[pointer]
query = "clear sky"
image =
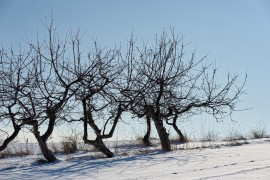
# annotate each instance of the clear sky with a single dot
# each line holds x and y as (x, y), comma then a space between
(236, 34)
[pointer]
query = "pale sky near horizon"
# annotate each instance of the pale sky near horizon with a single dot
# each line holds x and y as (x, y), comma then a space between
(234, 34)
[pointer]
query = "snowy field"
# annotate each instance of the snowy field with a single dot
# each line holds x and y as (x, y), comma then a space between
(201, 160)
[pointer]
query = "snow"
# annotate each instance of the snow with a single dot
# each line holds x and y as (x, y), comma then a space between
(250, 160)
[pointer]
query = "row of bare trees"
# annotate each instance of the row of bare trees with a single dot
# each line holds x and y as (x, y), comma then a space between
(55, 81)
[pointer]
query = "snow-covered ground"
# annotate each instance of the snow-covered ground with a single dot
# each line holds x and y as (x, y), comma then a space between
(247, 161)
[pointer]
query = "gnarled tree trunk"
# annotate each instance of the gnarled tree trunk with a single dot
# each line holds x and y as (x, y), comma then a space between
(42, 142)
(99, 145)
(98, 142)
(48, 155)
(163, 135)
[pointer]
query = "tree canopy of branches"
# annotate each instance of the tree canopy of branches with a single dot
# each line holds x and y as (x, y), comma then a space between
(15, 90)
(173, 85)
(37, 87)
(99, 96)
(54, 81)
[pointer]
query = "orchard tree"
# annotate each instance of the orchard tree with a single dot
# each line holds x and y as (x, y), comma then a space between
(175, 84)
(53, 81)
(15, 93)
(99, 97)
(134, 88)
(56, 78)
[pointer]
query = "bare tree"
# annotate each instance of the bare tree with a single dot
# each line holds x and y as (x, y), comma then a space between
(15, 92)
(133, 87)
(55, 76)
(53, 82)
(99, 97)
(176, 85)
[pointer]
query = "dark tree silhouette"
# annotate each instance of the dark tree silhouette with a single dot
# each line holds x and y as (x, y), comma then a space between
(53, 81)
(175, 85)
(56, 79)
(15, 92)
(99, 97)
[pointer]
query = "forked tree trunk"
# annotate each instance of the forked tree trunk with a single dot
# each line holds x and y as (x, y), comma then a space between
(48, 155)
(98, 142)
(146, 137)
(163, 135)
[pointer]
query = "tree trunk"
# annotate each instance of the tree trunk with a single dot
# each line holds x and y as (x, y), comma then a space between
(163, 135)
(98, 142)
(48, 155)
(146, 137)
(10, 138)
(99, 145)
(180, 134)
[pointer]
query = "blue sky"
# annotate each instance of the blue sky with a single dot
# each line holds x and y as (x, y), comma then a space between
(235, 34)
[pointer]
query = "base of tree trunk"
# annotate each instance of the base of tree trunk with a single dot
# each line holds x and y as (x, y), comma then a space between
(182, 138)
(99, 145)
(146, 137)
(163, 135)
(48, 155)
(146, 141)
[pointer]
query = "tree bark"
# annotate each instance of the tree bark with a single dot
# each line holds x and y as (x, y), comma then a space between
(52, 118)
(10, 138)
(146, 137)
(163, 135)
(98, 142)
(180, 134)
(99, 145)
(182, 138)
(48, 155)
